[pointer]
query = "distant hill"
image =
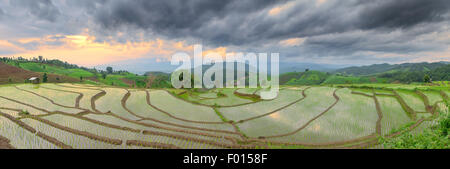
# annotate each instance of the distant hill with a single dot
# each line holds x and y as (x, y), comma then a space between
(142, 65)
(17, 70)
(286, 67)
(377, 73)
(304, 78)
(158, 80)
(12, 74)
(383, 68)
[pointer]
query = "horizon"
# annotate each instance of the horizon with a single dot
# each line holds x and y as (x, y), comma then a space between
(95, 33)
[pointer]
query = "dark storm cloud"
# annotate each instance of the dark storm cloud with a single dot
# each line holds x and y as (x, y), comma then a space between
(241, 22)
(330, 28)
(176, 18)
(43, 9)
(402, 13)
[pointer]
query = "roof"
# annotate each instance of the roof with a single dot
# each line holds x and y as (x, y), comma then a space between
(33, 78)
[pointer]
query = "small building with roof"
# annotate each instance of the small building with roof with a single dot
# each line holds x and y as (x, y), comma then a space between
(34, 80)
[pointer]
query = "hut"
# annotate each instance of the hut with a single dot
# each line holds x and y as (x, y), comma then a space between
(34, 80)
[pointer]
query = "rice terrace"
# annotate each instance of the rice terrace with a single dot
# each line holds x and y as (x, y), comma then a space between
(231, 81)
(71, 115)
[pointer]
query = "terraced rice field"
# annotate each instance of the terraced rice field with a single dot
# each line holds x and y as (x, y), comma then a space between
(92, 117)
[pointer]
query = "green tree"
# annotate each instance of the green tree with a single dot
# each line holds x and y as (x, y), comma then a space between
(81, 78)
(109, 70)
(426, 79)
(104, 75)
(45, 78)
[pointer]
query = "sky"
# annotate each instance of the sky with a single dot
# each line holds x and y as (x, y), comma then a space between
(361, 32)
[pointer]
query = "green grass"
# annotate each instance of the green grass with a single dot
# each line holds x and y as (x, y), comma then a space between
(351, 80)
(432, 134)
(113, 80)
(308, 78)
(38, 67)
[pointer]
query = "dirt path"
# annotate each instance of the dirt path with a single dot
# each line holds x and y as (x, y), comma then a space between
(95, 98)
(151, 144)
(246, 95)
(32, 130)
(363, 94)
(426, 101)
(4, 143)
(411, 112)
(379, 113)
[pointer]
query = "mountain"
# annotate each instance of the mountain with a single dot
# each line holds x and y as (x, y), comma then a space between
(142, 65)
(376, 73)
(300, 67)
(386, 68)
(304, 78)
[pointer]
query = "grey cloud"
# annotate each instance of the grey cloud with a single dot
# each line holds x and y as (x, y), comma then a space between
(402, 13)
(348, 29)
(178, 18)
(43, 9)
(243, 22)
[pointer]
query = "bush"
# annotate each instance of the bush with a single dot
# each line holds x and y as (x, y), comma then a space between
(24, 112)
(435, 137)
